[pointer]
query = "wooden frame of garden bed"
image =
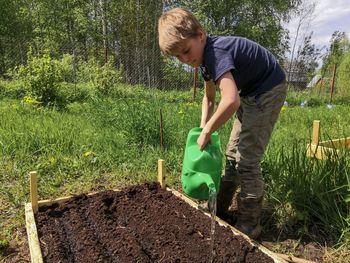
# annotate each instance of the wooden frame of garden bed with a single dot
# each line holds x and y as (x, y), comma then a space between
(325, 149)
(32, 207)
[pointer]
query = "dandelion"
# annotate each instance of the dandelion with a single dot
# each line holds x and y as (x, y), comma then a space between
(89, 153)
(31, 101)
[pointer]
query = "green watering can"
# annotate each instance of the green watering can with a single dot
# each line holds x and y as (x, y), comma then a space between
(201, 170)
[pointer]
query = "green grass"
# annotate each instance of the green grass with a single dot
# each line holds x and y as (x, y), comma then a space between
(113, 142)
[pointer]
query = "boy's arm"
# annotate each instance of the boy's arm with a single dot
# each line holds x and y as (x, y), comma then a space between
(229, 103)
(208, 102)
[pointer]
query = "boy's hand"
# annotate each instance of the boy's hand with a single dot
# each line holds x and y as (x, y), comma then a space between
(203, 139)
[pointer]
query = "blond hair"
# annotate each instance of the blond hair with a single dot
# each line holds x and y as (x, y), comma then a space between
(175, 26)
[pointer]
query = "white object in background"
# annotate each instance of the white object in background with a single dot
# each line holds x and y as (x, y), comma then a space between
(303, 104)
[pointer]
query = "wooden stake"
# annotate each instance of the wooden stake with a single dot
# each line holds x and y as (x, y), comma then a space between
(161, 173)
(333, 80)
(161, 129)
(195, 83)
(34, 191)
(316, 132)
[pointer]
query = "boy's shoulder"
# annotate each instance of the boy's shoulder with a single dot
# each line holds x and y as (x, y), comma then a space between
(228, 43)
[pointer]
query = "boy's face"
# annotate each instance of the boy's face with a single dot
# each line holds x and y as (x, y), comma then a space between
(190, 51)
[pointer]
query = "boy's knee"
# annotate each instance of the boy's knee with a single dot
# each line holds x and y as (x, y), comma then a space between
(252, 183)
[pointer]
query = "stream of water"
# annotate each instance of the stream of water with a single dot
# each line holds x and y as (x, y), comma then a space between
(212, 209)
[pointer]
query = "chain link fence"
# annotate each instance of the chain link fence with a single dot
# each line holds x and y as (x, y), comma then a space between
(120, 34)
(334, 80)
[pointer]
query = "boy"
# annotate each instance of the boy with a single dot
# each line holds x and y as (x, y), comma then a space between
(252, 84)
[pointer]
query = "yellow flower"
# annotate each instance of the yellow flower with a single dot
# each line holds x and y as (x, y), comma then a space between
(31, 101)
(89, 153)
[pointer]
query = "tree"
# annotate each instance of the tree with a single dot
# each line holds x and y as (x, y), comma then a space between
(343, 75)
(339, 46)
(260, 21)
(307, 56)
(305, 16)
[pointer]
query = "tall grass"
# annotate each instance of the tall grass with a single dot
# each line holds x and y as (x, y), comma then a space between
(314, 193)
(112, 142)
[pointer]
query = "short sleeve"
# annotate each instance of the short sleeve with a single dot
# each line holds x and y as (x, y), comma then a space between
(222, 65)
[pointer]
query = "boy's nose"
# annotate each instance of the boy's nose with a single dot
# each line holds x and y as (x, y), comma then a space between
(183, 59)
(186, 59)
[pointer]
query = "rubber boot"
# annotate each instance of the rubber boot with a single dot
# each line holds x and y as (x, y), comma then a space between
(228, 186)
(249, 212)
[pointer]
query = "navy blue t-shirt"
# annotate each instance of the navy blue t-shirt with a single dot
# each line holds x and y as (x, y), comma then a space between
(254, 69)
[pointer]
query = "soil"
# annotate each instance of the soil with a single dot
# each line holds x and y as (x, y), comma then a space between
(141, 223)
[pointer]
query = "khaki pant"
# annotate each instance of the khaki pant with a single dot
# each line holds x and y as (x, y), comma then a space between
(250, 135)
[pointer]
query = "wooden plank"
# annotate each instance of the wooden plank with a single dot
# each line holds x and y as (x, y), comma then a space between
(235, 231)
(33, 239)
(34, 190)
(60, 200)
(161, 173)
(320, 152)
(64, 199)
(336, 143)
(316, 132)
(293, 259)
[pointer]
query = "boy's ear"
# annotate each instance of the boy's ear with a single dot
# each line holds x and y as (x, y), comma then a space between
(201, 34)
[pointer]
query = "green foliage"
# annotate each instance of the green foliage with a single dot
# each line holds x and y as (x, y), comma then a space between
(12, 89)
(260, 21)
(174, 72)
(339, 46)
(343, 75)
(111, 142)
(316, 97)
(306, 58)
(103, 77)
(292, 175)
(42, 76)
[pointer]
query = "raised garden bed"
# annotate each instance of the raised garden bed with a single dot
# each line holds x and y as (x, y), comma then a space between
(142, 223)
(325, 149)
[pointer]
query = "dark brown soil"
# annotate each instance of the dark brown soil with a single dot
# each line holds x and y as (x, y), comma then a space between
(139, 224)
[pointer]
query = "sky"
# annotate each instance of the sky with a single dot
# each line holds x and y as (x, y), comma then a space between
(329, 16)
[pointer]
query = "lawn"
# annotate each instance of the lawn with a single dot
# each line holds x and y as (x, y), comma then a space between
(111, 142)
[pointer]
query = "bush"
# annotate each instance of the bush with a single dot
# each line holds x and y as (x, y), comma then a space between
(12, 89)
(42, 76)
(175, 74)
(103, 77)
(343, 76)
(70, 92)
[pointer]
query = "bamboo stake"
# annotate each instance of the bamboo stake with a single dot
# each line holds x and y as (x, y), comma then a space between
(34, 191)
(161, 129)
(316, 132)
(195, 83)
(161, 173)
(333, 81)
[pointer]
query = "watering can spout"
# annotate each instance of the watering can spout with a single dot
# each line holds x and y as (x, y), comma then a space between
(210, 183)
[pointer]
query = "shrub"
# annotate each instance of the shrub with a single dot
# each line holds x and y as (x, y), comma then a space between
(343, 78)
(103, 77)
(12, 89)
(41, 76)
